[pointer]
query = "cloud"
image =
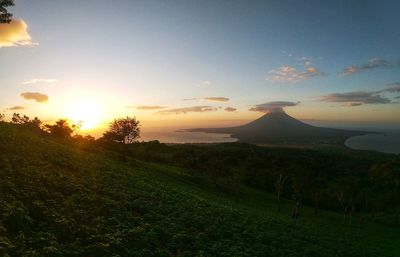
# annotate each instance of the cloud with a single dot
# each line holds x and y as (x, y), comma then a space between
(38, 97)
(290, 74)
(356, 98)
(276, 106)
(190, 99)
(148, 107)
(306, 61)
(185, 110)
(216, 99)
(395, 88)
(15, 34)
(35, 81)
(16, 108)
(370, 64)
(230, 109)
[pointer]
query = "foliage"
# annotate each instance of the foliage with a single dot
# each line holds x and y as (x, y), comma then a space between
(5, 16)
(123, 130)
(61, 128)
(35, 123)
(62, 198)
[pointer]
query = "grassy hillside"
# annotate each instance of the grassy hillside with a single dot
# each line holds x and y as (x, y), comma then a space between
(58, 199)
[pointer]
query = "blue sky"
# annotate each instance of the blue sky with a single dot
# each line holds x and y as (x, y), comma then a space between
(156, 53)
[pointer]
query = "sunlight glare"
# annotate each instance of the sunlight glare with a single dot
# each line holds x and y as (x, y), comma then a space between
(86, 111)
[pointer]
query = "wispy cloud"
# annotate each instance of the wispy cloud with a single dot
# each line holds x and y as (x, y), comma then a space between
(369, 65)
(394, 88)
(36, 81)
(275, 106)
(190, 99)
(230, 109)
(356, 98)
(290, 74)
(38, 97)
(204, 83)
(15, 34)
(185, 110)
(216, 99)
(306, 61)
(148, 107)
(16, 108)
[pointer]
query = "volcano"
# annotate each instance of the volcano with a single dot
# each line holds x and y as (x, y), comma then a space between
(280, 128)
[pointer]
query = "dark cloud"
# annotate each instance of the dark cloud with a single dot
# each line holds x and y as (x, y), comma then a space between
(148, 107)
(16, 108)
(276, 106)
(185, 110)
(230, 109)
(216, 99)
(371, 64)
(356, 98)
(394, 88)
(38, 97)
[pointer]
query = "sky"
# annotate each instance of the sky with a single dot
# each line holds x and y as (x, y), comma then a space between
(202, 63)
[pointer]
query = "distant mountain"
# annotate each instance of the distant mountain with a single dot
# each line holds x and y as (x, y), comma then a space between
(279, 127)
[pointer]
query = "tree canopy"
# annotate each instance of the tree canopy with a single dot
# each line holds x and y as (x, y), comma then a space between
(61, 128)
(123, 130)
(5, 15)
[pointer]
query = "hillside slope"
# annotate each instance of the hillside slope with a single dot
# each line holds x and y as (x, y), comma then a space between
(59, 200)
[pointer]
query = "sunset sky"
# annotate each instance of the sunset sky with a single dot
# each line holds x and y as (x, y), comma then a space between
(202, 63)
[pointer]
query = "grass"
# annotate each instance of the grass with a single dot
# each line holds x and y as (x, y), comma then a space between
(59, 200)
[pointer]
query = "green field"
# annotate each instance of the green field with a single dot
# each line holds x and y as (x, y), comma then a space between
(63, 198)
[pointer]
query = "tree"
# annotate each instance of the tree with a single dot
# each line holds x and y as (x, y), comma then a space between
(123, 130)
(19, 119)
(77, 127)
(5, 16)
(2, 116)
(61, 128)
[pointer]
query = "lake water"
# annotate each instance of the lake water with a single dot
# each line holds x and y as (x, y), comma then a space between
(386, 143)
(180, 137)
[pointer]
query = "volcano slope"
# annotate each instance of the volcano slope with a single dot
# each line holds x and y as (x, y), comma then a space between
(280, 128)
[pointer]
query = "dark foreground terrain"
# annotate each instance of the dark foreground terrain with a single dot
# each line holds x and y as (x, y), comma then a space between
(63, 197)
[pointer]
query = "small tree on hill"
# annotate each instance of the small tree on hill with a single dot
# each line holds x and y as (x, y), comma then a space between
(61, 128)
(5, 16)
(123, 130)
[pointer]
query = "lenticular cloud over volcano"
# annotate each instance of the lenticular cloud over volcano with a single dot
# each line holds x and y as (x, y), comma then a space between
(276, 106)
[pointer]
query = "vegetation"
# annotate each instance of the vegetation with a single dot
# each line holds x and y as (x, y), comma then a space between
(5, 15)
(123, 130)
(68, 196)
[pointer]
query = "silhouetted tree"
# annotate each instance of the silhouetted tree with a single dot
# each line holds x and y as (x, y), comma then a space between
(19, 119)
(77, 127)
(2, 116)
(5, 16)
(60, 129)
(123, 130)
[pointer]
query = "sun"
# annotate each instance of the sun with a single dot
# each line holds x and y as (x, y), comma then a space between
(88, 112)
